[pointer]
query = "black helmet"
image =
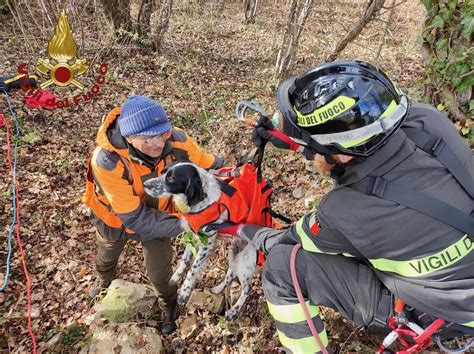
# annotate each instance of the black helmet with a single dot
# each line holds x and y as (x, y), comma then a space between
(348, 107)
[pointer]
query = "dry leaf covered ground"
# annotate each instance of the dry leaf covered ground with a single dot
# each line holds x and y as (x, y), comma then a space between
(209, 60)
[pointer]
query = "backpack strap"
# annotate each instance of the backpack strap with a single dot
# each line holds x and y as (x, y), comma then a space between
(226, 188)
(437, 147)
(437, 209)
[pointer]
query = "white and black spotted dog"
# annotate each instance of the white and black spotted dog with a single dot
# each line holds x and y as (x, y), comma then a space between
(193, 189)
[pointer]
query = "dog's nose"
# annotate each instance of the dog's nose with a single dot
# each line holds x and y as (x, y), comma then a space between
(155, 187)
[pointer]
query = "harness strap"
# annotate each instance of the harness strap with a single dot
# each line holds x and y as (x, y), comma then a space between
(276, 215)
(438, 209)
(226, 188)
(437, 147)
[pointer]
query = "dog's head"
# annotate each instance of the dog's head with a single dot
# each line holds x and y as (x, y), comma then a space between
(191, 187)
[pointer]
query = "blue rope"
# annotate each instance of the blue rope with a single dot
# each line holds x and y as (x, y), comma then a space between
(14, 190)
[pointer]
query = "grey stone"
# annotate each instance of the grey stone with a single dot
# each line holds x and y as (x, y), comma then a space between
(206, 300)
(126, 301)
(124, 338)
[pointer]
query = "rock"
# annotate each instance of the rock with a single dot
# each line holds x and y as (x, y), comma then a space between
(55, 343)
(23, 313)
(124, 338)
(298, 193)
(177, 345)
(309, 166)
(207, 301)
(125, 302)
(189, 326)
(35, 311)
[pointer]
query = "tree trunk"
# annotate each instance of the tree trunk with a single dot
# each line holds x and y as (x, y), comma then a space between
(299, 11)
(250, 10)
(166, 8)
(447, 53)
(144, 15)
(118, 12)
(371, 11)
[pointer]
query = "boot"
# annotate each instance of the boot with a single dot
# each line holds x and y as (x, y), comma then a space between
(101, 283)
(169, 316)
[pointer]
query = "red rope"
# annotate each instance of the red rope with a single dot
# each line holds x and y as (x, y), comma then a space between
(299, 294)
(20, 246)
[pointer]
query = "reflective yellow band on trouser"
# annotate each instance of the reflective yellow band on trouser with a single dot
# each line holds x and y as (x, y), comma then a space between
(429, 264)
(292, 313)
(469, 324)
(303, 345)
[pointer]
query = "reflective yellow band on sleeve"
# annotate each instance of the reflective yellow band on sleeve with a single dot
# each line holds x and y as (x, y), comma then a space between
(306, 242)
(292, 313)
(303, 345)
(469, 324)
(429, 264)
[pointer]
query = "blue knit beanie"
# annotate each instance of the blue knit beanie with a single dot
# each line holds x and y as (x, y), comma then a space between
(140, 115)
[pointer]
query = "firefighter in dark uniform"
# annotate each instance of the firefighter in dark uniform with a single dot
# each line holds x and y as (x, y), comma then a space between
(398, 222)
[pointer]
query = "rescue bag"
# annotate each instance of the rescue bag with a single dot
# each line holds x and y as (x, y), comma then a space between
(245, 197)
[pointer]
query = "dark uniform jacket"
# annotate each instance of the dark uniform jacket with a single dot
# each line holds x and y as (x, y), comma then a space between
(421, 260)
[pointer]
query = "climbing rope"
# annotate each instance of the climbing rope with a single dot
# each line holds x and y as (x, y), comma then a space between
(301, 299)
(16, 213)
(3, 121)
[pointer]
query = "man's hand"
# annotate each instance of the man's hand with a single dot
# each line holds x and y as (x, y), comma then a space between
(277, 138)
(265, 131)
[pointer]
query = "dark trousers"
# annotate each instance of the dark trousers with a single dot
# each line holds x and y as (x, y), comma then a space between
(158, 256)
(341, 283)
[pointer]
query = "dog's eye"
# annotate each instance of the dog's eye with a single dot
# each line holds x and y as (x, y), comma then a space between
(169, 177)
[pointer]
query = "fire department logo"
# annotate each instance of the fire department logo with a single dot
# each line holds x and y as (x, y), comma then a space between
(62, 48)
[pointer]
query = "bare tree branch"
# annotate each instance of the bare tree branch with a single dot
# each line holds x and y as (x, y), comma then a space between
(371, 11)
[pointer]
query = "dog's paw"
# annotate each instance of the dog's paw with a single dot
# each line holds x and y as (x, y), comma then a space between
(174, 280)
(231, 315)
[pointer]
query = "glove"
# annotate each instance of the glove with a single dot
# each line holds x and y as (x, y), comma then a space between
(261, 237)
(277, 138)
(230, 230)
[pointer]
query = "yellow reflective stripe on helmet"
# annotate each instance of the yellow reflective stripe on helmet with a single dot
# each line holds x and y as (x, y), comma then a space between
(326, 112)
(292, 313)
(303, 345)
(429, 264)
(355, 142)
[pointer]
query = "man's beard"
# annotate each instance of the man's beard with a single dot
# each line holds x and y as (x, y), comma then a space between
(321, 164)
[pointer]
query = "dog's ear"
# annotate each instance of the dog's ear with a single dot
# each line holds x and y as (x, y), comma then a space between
(194, 192)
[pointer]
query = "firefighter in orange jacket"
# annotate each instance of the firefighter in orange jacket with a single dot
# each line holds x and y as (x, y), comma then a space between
(135, 143)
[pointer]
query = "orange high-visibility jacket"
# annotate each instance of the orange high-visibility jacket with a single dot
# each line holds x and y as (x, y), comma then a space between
(114, 184)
